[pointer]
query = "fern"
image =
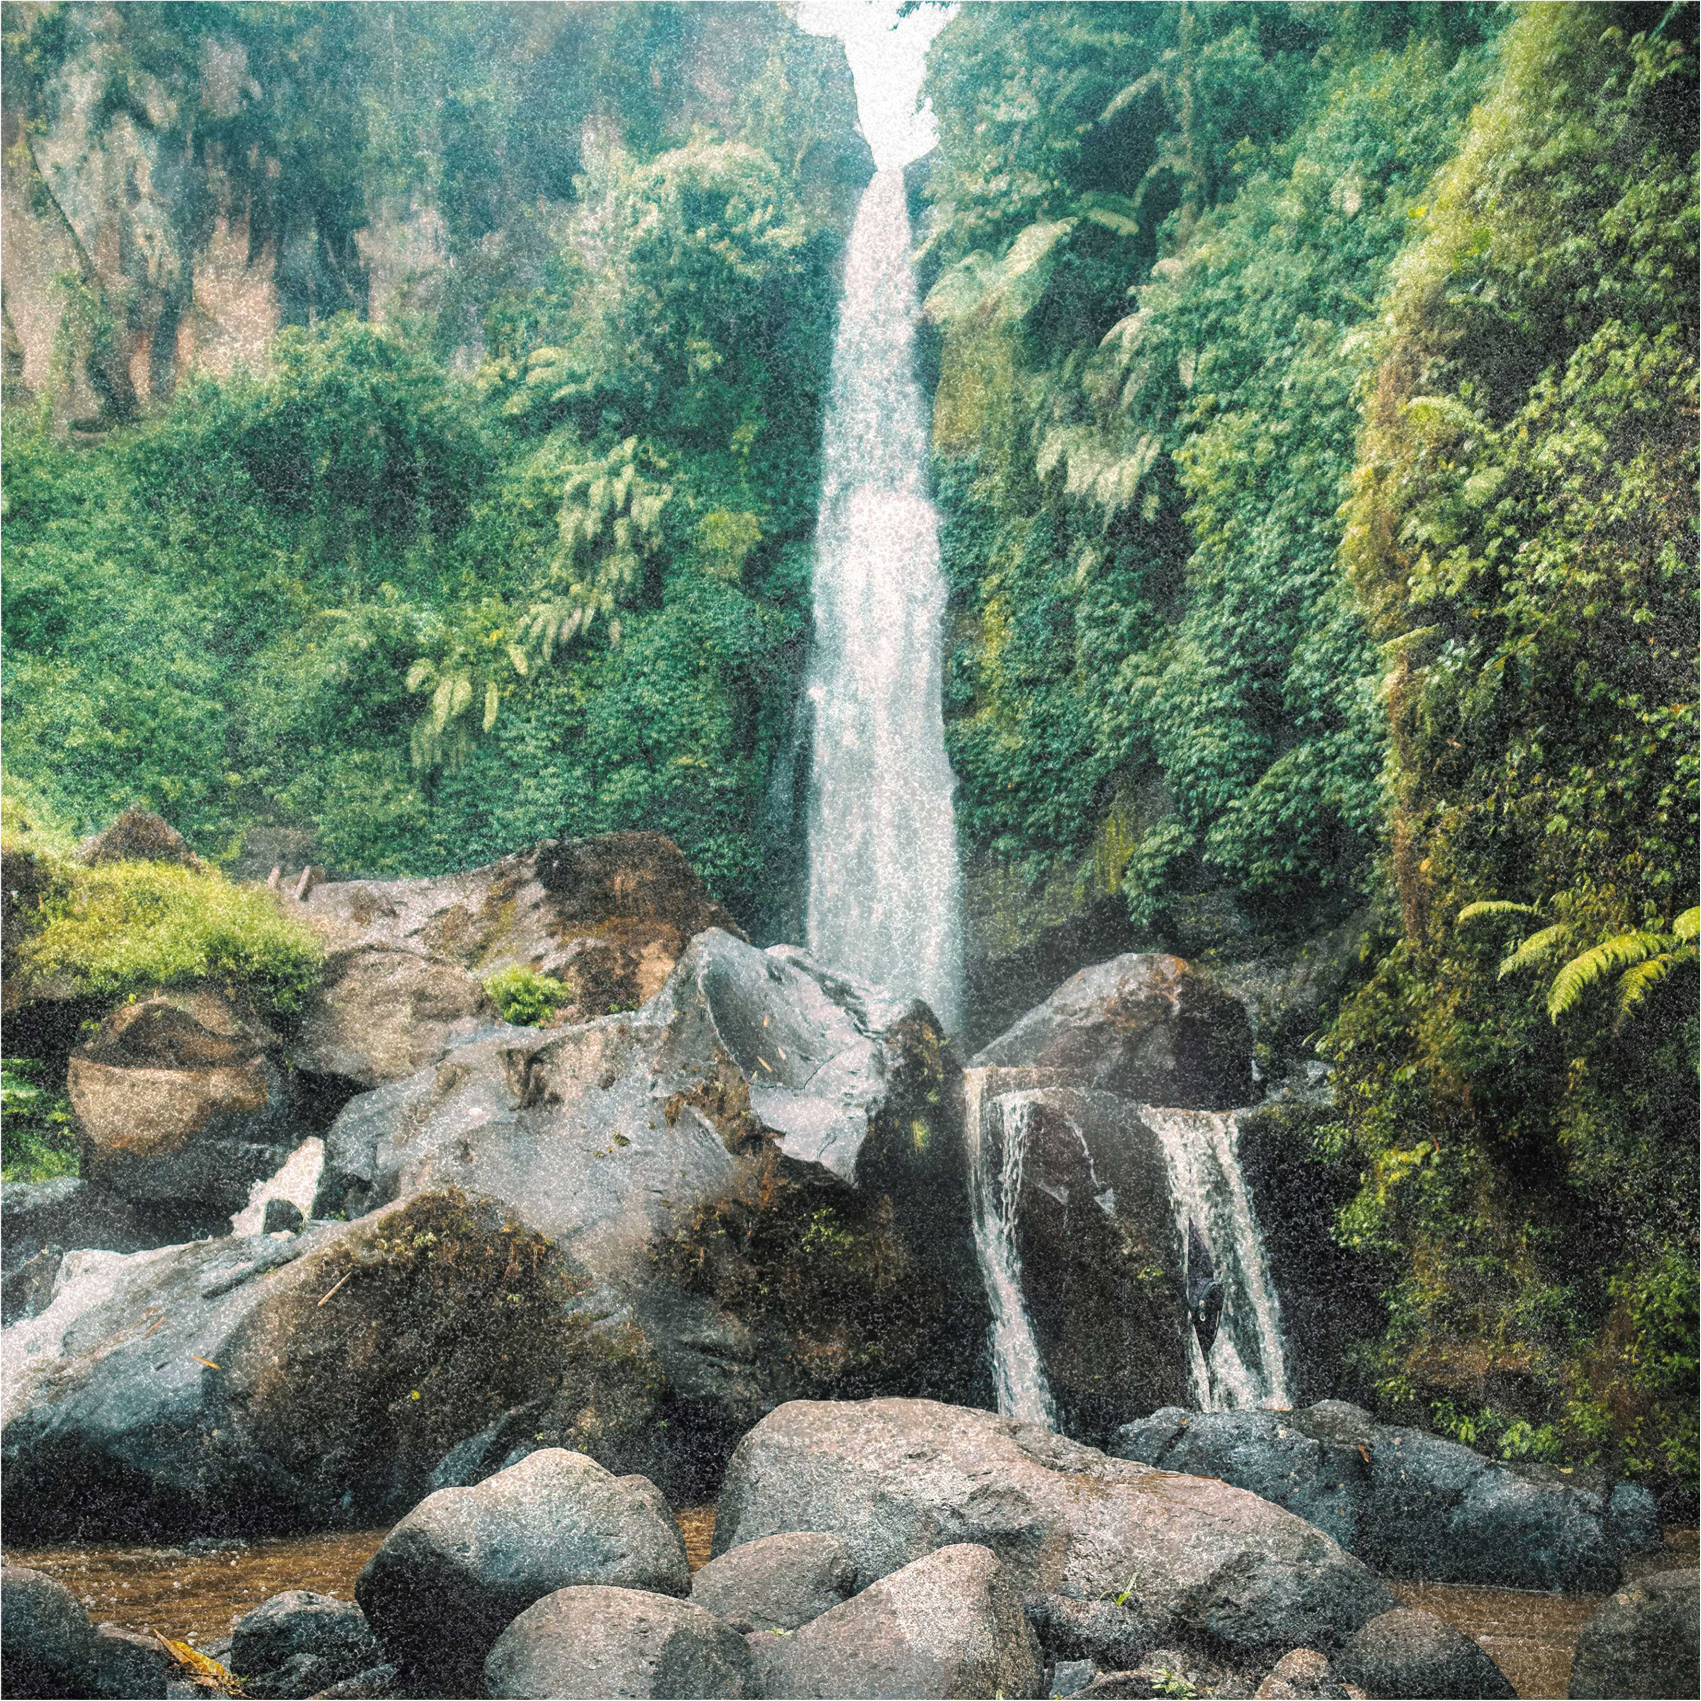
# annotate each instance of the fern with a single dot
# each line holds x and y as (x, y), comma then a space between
(1536, 947)
(1495, 906)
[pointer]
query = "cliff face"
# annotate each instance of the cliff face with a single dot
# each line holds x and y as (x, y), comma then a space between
(182, 182)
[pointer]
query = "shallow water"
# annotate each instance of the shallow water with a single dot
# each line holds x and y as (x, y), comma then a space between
(198, 1596)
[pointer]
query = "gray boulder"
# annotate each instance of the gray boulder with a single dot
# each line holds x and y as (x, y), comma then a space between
(601, 1641)
(948, 1624)
(46, 1640)
(27, 1291)
(776, 1584)
(1145, 1026)
(300, 1622)
(1415, 1655)
(128, 1666)
(309, 1380)
(1643, 1641)
(69, 1213)
(1070, 1677)
(466, 1561)
(1403, 1500)
(897, 1479)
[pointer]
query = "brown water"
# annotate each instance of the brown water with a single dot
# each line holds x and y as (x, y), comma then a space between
(198, 1596)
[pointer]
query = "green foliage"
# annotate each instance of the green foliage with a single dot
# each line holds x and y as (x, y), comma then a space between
(35, 1125)
(526, 997)
(124, 929)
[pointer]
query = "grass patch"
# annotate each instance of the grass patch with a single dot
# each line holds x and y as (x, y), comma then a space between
(37, 1142)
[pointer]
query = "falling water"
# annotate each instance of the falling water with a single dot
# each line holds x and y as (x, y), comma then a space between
(1017, 1373)
(883, 874)
(1248, 1365)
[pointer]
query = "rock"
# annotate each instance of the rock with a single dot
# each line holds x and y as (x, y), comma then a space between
(1094, 1222)
(252, 1383)
(46, 1640)
(1410, 1653)
(1110, 1635)
(301, 1622)
(1641, 1642)
(28, 1290)
(948, 1624)
(126, 1664)
(376, 1683)
(137, 835)
(182, 1104)
(299, 1676)
(70, 1213)
(1070, 1677)
(898, 1478)
(760, 1128)
(1145, 1026)
(1303, 1675)
(1162, 1672)
(1633, 1520)
(466, 1561)
(776, 1584)
(1404, 1501)
(282, 1217)
(599, 1641)
(380, 1014)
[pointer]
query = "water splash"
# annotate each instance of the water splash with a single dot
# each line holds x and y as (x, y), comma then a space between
(884, 883)
(997, 1133)
(297, 1181)
(1248, 1363)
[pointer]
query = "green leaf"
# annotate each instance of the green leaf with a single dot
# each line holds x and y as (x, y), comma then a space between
(1495, 906)
(1611, 957)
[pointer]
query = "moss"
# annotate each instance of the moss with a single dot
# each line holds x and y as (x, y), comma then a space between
(526, 997)
(37, 1137)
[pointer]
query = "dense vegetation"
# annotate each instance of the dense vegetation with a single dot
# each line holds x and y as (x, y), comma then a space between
(1315, 433)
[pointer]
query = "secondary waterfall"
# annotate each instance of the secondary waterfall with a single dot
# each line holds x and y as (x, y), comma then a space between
(883, 875)
(1248, 1364)
(994, 1195)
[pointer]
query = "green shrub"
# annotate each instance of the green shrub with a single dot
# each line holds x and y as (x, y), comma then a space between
(120, 931)
(36, 1142)
(526, 997)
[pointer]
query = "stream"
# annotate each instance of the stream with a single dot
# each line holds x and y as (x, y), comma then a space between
(198, 1595)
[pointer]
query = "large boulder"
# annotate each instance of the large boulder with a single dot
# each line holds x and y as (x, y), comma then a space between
(1403, 1500)
(897, 1479)
(759, 1170)
(466, 1562)
(46, 1640)
(182, 1103)
(259, 1382)
(1146, 1026)
(1643, 1641)
(1414, 1655)
(125, 1665)
(138, 835)
(948, 1624)
(301, 1623)
(68, 1212)
(406, 959)
(778, 1583)
(598, 1641)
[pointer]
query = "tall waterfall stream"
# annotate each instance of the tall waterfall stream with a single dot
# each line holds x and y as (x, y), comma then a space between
(884, 885)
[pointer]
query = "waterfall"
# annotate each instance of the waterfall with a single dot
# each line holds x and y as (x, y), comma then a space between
(1248, 1364)
(994, 1199)
(883, 876)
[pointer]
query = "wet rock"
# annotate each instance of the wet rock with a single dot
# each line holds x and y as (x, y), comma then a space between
(948, 1624)
(299, 1676)
(27, 1291)
(1404, 1501)
(68, 1212)
(453, 1573)
(897, 1479)
(776, 1584)
(376, 1683)
(182, 1104)
(598, 1641)
(1410, 1653)
(282, 1217)
(255, 1382)
(128, 1666)
(1145, 1026)
(46, 1640)
(1642, 1642)
(1070, 1677)
(297, 1622)
(1303, 1675)
(138, 835)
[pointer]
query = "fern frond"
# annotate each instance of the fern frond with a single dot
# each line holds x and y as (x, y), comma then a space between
(421, 674)
(1688, 925)
(1638, 981)
(1495, 906)
(440, 701)
(1536, 947)
(1611, 957)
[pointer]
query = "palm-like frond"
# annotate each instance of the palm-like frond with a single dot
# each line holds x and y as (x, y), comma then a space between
(1536, 947)
(1638, 981)
(1495, 906)
(1611, 957)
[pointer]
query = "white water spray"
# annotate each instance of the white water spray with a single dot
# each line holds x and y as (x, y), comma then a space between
(297, 1181)
(884, 885)
(1248, 1364)
(994, 1199)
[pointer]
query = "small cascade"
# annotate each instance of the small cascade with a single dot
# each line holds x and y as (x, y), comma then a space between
(996, 1136)
(1248, 1362)
(297, 1181)
(884, 883)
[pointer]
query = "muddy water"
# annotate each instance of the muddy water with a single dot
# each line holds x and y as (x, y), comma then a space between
(198, 1595)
